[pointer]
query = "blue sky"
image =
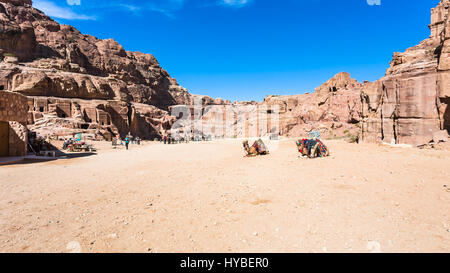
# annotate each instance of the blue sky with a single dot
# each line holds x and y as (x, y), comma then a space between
(247, 49)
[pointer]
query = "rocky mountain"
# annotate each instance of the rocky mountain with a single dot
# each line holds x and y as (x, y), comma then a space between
(79, 82)
(411, 103)
(334, 109)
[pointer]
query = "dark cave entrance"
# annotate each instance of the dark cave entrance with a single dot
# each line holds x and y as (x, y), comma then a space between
(447, 118)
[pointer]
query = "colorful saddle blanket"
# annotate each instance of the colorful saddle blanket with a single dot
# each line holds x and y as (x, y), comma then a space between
(312, 148)
(260, 147)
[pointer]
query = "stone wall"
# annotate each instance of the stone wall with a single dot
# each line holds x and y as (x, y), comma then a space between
(14, 110)
(13, 107)
(18, 138)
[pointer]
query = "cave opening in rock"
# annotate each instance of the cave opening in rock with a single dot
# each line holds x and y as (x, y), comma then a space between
(447, 118)
(85, 126)
(353, 121)
(2, 87)
(41, 109)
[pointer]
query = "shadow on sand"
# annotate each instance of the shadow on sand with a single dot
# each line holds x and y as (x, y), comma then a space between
(39, 159)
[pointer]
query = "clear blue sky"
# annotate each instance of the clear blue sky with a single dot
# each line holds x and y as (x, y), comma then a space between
(247, 49)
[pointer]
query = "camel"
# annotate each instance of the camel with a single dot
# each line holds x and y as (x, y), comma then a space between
(312, 148)
(258, 148)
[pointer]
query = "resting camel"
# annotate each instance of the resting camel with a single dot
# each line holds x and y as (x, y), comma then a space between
(258, 148)
(312, 148)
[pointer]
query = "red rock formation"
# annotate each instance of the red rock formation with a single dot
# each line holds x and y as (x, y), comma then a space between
(410, 104)
(79, 81)
(334, 109)
(18, 2)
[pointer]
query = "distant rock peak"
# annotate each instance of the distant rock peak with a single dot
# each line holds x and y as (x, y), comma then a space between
(18, 2)
(341, 81)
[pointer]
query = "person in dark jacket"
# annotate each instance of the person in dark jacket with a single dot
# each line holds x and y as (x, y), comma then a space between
(127, 142)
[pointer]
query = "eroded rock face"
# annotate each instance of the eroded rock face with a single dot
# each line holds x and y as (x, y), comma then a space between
(18, 2)
(341, 81)
(81, 82)
(60, 55)
(410, 104)
(334, 109)
(60, 117)
(77, 82)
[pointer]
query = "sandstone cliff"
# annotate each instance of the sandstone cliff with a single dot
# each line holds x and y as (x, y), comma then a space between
(91, 83)
(334, 109)
(78, 83)
(410, 104)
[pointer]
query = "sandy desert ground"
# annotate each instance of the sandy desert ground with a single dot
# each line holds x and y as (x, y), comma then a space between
(206, 197)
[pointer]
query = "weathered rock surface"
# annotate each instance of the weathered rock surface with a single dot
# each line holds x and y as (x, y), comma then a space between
(411, 103)
(18, 2)
(334, 109)
(80, 81)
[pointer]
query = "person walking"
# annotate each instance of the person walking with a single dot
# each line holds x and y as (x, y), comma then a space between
(127, 142)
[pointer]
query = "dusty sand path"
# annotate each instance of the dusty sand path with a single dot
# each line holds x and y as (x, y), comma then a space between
(205, 197)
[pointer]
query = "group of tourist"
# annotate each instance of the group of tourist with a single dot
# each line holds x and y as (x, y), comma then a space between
(129, 139)
(68, 142)
(184, 139)
(167, 140)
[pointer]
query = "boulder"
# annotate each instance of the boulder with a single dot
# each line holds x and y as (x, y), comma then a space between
(440, 136)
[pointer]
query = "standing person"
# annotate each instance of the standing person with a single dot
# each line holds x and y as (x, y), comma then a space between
(165, 139)
(127, 141)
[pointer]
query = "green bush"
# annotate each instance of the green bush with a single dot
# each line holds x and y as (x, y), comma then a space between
(71, 40)
(353, 138)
